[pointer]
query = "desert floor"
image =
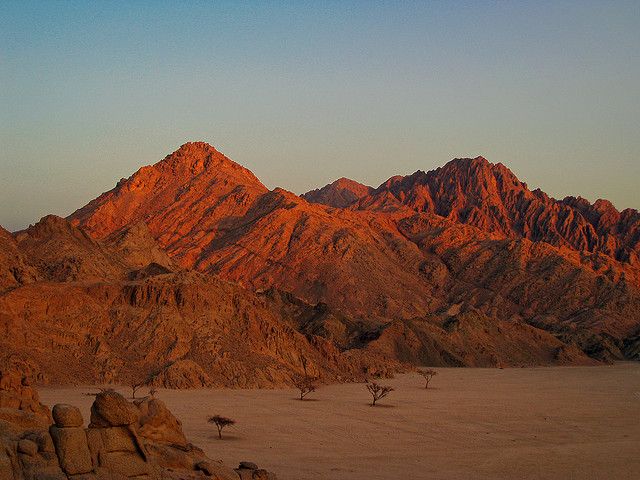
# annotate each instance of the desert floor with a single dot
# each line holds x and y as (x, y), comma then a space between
(534, 423)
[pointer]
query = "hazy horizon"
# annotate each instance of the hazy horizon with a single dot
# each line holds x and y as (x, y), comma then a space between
(304, 94)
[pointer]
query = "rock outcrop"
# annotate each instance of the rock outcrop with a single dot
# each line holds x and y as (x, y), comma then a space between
(124, 440)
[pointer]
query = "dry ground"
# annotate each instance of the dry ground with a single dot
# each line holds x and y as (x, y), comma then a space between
(536, 423)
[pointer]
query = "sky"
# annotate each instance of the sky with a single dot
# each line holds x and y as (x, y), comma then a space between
(303, 93)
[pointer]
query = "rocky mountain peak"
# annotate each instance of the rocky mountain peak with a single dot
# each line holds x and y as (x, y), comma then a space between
(340, 193)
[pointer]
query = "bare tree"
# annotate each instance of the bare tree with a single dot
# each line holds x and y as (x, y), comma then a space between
(140, 382)
(427, 374)
(305, 385)
(135, 387)
(378, 391)
(221, 422)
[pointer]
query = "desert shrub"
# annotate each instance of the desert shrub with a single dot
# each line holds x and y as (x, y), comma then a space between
(305, 385)
(427, 374)
(378, 391)
(220, 422)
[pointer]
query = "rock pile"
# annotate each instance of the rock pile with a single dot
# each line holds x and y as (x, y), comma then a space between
(124, 440)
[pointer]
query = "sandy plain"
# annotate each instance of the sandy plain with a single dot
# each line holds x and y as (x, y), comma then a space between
(530, 423)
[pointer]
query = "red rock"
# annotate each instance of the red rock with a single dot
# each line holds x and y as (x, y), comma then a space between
(451, 254)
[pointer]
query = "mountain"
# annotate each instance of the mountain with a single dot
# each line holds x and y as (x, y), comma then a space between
(340, 194)
(430, 251)
(82, 310)
(192, 273)
(185, 200)
(490, 197)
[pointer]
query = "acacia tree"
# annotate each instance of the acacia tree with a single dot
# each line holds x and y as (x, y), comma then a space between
(135, 387)
(427, 374)
(138, 383)
(378, 391)
(305, 385)
(220, 422)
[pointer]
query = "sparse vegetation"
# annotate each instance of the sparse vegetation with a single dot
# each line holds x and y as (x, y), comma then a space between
(427, 374)
(305, 385)
(221, 422)
(135, 387)
(378, 391)
(138, 383)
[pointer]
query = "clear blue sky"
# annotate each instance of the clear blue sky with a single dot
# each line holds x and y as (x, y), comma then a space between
(304, 93)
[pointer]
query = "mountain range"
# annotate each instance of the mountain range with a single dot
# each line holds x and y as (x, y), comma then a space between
(192, 273)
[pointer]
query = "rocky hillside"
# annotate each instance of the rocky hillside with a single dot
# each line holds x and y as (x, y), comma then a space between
(490, 197)
(88, 312)
(192, 273)
(466, 237)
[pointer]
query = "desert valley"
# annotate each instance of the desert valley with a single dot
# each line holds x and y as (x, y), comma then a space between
(191, 274)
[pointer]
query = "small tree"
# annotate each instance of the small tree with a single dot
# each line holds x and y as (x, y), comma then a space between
(427, 374)
(305, 385)
(140, 382)
(378, 391)
(135, 387)
(221, 422)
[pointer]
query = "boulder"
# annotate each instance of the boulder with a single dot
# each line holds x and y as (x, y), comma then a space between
(217, 470)
(110, 409)
(50, 473)
(67, 415)
(125, 463)
(16, 393)
(106, 474)
(167, 456)
(94, 442)
(42, 439)
(116, 439)
(261, 474)
(158, 424)
(123, 442)
(6, 465)
(258, 474)
(28, 447)
(20, 420)
(250, 471)
(72, 449)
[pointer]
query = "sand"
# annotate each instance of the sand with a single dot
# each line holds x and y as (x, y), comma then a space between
(534, 423)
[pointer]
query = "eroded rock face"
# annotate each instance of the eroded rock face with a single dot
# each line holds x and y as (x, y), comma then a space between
(158, 424)
(141, 441)
(16, 393)
(72, 449)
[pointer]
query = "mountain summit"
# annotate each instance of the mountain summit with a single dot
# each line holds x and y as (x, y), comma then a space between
(341, 193)
(183, 197)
